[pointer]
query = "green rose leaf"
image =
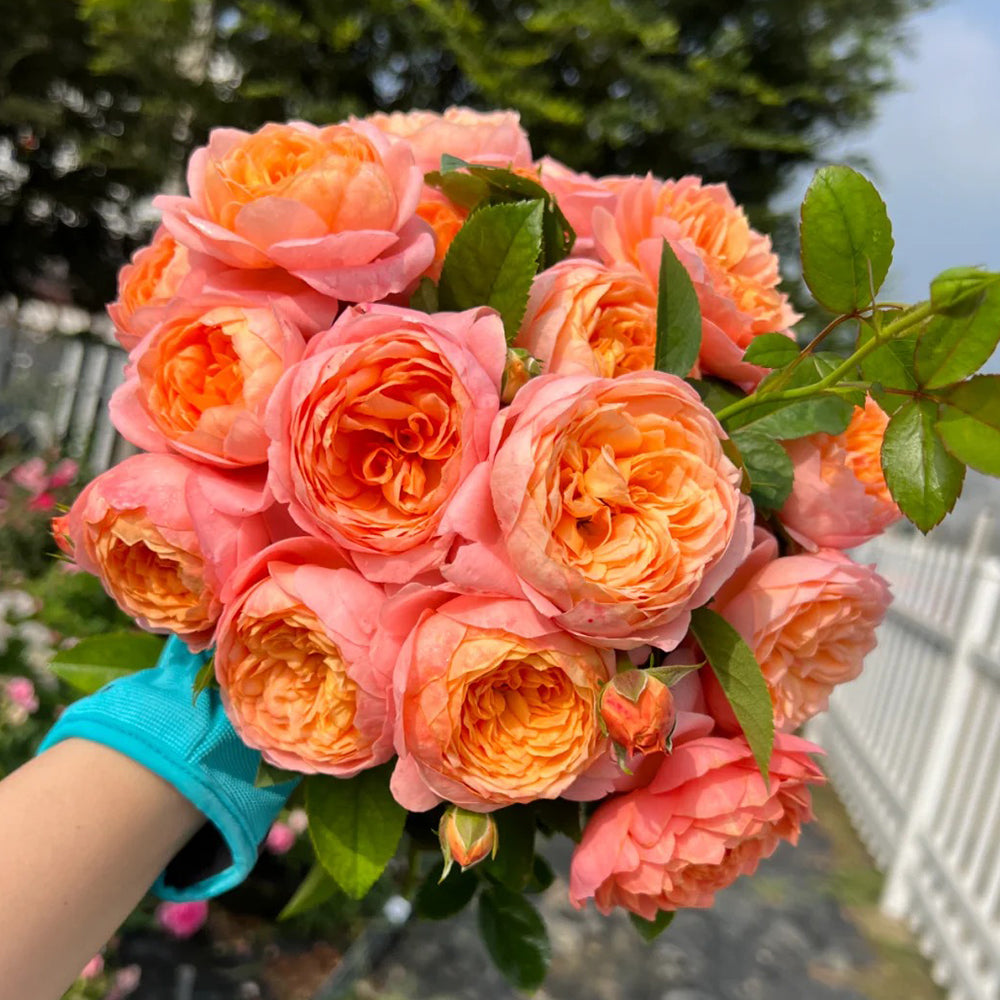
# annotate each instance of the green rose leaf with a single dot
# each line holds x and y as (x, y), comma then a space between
(951, 348)
(97, 661)
(889, 366)
(768, 466)
(438, 900)
(650, 930)
(922, 477)
(771, 350)
(542, 875)
(314, 890)
(268, 775)
(425, 298)
(742, 680)
(969, 422)
(515, 936)
(560, 816)
(846, 239)
(492, 261)
(956, 292)
(515, 846)
(678, 317)
(355, 825)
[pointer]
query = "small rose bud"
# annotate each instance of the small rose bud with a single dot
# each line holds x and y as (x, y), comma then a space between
(638, 712)
(60, 532)
(466, 837)
(520, 368)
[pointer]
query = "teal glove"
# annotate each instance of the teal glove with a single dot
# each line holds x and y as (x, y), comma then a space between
(149, 717)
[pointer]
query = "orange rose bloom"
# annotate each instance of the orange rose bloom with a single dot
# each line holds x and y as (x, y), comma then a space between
(446, 219)
(150, 280)
(495, 704)
(589, 318)
(292, 660)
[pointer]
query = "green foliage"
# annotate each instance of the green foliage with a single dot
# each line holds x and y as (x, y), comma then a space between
(771, 350)
(560, 816)
(516, 836)
(678, 317)
(958, 290)
(740, 678)
(268, 775)
(768, 466)
(314, 890)
(924, 480)
(890, 366)
(355, 825)
(438, 899)
(952, 347)
(846, 239)
(650, 930)
(969, 422)
(492, 261)
(515, 936)
(100, 659)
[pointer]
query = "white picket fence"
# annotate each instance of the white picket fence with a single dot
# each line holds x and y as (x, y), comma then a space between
(913, 749)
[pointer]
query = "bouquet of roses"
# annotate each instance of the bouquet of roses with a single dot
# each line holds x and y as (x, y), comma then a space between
(509, 503)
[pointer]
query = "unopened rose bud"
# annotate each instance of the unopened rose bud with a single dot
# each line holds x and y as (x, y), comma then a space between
(638, 712)
(466, 837)
(60, 532)
(520, 368)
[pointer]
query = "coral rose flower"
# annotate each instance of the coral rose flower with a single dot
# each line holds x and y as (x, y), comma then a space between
(494, 703)
(617, 509)
(734, 271)
(492, 137)
(375, 430)
(149, 280)
(199, 383)
(810, 620)
(706, 818)
(589, 318)
(446, 219)
(292, 660)
(839, 498)
(163, 534)
(333, 206)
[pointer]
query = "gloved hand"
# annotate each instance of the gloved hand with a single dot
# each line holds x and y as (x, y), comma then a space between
(149, 717)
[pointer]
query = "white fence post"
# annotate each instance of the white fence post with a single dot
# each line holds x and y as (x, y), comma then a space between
(948, 735)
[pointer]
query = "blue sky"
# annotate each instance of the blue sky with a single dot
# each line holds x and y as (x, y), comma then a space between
(935, 146)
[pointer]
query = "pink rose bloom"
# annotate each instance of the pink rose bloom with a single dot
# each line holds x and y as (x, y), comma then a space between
(810, 620)
(163, 534)
(333, 206)
(182, 920)
(734, 271)
(93, 968)
(587, 318)
(616, 510)
(706, 818)
(21, 692)
(200, 381)
(577, 195)
(292, 660)
(280, 838)
(31, 476)
(839, 498)
(493, 137)
(376, 429)
(494, 703)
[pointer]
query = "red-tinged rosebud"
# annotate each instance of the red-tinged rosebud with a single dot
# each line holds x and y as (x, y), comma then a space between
(520, 368)
(466, 837)
(61, 535)
(638, 712)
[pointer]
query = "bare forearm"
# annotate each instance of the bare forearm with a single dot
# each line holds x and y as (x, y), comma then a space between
(84, 831)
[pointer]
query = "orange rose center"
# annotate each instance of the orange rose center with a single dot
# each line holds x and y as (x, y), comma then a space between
(637, 502)
(522, 723)
(381, 440)
(147, 576)
(288, 680)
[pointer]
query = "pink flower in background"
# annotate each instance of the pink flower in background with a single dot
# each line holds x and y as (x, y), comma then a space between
(126, 980)
(333, 206)
(31, 476)
(182, 920)
(63, 473)
(839, 498)
(21, 692)
(280, 838)
(93, 968)
(810, 620)
(298, 821)
(706, 818)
